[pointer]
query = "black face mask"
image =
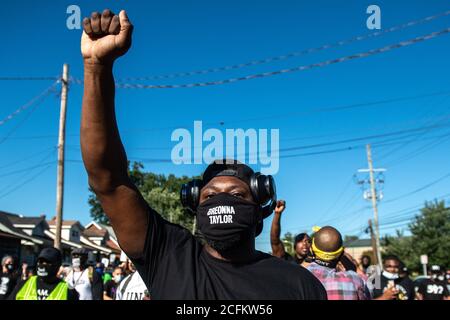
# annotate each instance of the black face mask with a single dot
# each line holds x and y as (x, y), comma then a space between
(226, 220)
(10, 268)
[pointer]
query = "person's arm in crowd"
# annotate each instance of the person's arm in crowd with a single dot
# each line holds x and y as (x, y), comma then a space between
(389, 294)
(97, 286)
(106, 297)
(107, 288)
(421, 291)
(105, 38)
(275, 241)
(24, 274)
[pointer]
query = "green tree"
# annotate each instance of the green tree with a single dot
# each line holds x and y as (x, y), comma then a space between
(288, 242)
(160, 191)
(430, 235)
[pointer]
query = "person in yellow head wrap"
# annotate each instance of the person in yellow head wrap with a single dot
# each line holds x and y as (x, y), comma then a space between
(327, 249)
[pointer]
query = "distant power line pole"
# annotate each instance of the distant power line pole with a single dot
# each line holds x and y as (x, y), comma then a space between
(61, 144)
(374, 243)
(374, 196)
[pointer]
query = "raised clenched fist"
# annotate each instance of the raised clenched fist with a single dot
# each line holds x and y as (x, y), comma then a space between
(105, 37)
(281, 205)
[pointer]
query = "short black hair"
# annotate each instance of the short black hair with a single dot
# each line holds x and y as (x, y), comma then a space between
(392, 257)
(300, 237)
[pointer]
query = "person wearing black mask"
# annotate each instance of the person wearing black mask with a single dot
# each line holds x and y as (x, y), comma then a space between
(433, 288)
(84, 278)
(228, 202)
(302, 242)
(45, 285)
(391, 286)
(8, 276)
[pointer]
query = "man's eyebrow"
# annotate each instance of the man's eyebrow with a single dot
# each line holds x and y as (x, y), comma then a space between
(228, 187)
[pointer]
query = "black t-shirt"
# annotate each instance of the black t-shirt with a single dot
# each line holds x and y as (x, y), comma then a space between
(404, 286)
(110, 288)
(44, 289)
(7, 283)
(433, 290)
(175, 266)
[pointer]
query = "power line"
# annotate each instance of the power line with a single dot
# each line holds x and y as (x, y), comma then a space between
(37, 98)
(26, 174)
(27, 78)
(288, 70)
(419, 189)
(11, 164)
(289, 55)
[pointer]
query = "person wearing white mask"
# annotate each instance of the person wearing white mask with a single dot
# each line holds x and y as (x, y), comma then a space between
(8, 276)
(110, 289)
(391, 286)
(83, 278)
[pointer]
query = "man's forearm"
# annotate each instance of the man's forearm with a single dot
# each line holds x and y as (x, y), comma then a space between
(275, 241)
(103, 153)
(275, 230)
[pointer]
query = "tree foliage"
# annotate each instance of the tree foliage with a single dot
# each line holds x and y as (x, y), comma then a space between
(430, 235)
(160, 191)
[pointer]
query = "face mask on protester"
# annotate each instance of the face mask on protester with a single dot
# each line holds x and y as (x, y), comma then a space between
(76, 262)
(224, 218)
(9, 267)
(390, 276)
(118, 278)
(43, 270)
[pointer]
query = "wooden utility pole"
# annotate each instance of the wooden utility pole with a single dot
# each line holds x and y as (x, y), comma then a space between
(374, 204)
(61, 144)
(374, 243)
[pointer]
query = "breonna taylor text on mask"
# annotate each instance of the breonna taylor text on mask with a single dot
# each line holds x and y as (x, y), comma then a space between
(221, 214)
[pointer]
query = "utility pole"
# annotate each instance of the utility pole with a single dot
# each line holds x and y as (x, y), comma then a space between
(61, 144)
(374, 204)
(373, 195)
(374, 244)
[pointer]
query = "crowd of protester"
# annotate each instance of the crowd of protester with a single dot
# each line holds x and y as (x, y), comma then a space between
(81, 280)
(321, 253)
(230, 203)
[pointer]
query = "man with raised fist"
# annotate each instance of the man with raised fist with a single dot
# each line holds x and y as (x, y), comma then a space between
(171, 261)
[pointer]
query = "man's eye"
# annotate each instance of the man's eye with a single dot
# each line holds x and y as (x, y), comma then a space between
(239, 195)
(210, 195)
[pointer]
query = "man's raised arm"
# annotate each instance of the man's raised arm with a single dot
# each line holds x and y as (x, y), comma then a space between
(105, 38)
(275, 230)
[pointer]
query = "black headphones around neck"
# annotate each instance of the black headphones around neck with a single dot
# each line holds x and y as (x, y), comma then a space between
(261, 186)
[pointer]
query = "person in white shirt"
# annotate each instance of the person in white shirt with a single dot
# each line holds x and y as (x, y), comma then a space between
(132, 287)
(83, 278)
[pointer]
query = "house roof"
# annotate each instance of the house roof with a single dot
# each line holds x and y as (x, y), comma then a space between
(94, 232)
(52, 223)
(7, 227)
(111, 244)
(26, 220)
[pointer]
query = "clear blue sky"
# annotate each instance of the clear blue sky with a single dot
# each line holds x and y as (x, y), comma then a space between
(177, 36)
